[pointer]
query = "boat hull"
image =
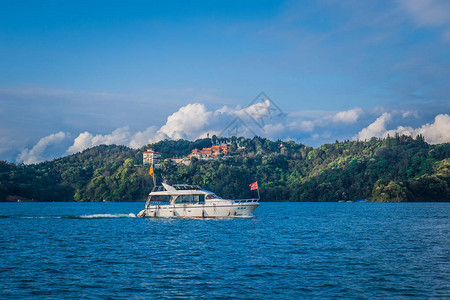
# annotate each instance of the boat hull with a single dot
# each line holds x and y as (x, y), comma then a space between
(200, 210)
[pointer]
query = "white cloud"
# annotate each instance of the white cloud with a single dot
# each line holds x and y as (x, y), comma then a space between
(142, 138)
(85, 140)
(400, 130)
(306, 121)
(120, 136)
(193, 121)
(408, 113)
(437, 132)
(37, 153)
(377, 128)
(258, 111)
(188, 122)
(348, 116)
(274, 130)
(434, 133)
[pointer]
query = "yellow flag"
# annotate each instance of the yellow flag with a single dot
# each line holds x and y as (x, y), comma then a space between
(151, 170)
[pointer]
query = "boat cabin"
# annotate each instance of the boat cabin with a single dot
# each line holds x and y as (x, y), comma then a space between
(180, 194)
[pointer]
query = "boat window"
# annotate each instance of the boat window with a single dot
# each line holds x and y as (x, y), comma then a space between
(161, 199)
(185, 199)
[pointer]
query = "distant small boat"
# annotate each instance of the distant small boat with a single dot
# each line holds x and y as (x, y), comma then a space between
(191, 201)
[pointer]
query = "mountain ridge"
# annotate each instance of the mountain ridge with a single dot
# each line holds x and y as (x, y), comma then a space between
(395, 169)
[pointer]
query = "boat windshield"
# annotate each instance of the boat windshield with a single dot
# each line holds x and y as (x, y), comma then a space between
(186, 187)
(178, 187)
(212, 196)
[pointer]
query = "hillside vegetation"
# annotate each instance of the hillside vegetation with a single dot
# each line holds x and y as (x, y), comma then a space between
(395, 169)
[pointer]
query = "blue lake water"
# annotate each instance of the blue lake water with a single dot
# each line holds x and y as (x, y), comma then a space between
(287, 251)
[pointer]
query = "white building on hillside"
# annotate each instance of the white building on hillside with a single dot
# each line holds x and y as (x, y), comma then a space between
(151, 157)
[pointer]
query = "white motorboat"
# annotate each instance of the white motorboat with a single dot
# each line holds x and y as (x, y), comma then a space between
(191, 201)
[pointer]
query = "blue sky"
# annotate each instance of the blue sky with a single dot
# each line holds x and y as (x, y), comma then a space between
(74, 74)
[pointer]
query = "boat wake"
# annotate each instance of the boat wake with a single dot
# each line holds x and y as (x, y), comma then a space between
(93, 216)
(107, 216)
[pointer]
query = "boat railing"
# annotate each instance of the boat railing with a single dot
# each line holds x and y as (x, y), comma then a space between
(157, 203)
(246, 200)
(153, 203)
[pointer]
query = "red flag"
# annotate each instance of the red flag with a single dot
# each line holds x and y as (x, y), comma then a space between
(254, 186)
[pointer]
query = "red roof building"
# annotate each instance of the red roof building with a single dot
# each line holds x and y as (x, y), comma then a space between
(209, 152)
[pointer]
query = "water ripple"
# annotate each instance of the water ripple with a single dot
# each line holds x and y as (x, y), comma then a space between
(289, 251)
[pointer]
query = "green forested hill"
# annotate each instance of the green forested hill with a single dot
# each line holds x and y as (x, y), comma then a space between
(388, 170)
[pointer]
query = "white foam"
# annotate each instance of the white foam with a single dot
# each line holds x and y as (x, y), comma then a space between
(97, 216)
